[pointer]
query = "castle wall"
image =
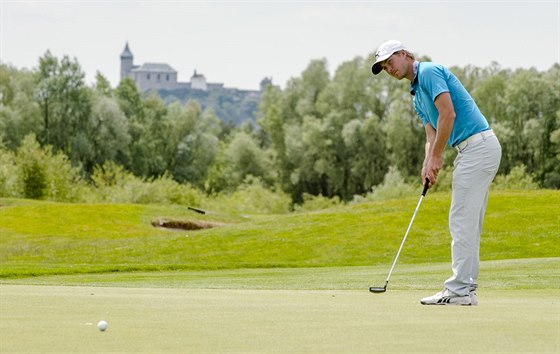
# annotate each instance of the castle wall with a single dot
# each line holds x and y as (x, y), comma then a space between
(158, 76)
(155, 80)
(198, 83)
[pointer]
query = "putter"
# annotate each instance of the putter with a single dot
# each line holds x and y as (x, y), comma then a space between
(378, 290)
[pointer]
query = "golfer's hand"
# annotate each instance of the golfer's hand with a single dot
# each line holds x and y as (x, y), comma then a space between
(431, 170)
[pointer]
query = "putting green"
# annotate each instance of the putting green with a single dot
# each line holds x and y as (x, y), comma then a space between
(63, 319)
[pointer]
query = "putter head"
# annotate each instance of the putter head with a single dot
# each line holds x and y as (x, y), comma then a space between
(377, 290)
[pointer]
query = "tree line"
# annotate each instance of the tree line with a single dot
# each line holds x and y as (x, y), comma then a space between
(336, 136)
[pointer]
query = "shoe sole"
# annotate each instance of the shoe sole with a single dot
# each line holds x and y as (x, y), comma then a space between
(445, 304)
(448, 302)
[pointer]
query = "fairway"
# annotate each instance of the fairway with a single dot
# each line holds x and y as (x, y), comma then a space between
(63, 319)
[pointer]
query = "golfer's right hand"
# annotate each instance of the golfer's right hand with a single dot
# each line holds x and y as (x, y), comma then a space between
(432, 169)
(426, 179)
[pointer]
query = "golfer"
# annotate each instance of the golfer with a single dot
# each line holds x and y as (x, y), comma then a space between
(450, 116)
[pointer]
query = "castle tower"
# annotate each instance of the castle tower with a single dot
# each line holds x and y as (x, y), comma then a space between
(126, 62)
(198, 81)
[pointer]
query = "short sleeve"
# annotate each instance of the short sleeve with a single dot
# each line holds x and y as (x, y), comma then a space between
(434, 82)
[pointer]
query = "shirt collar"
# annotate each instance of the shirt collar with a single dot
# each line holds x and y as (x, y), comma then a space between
(415, 79)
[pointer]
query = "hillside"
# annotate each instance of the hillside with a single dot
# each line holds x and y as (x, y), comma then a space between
(231, 105)
(57, 238)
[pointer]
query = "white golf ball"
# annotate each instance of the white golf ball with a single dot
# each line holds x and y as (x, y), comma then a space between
(102, 325)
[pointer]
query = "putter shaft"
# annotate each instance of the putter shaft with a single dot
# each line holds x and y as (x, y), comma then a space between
(426, 187)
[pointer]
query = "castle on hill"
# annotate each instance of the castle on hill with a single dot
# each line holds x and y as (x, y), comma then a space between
(161, 76)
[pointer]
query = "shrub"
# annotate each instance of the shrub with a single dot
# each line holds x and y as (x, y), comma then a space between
(32, 169)
(517, 178)
(64, 181)
(317, 202)
(36, 173)
(393, 186)
(9, 174)
(114, 184)
(33, 179)
(165, 190)
(253, 198)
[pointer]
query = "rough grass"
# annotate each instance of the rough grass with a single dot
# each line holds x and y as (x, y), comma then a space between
(41, 238)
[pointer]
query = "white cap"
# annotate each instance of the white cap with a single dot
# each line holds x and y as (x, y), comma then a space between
(383, 53)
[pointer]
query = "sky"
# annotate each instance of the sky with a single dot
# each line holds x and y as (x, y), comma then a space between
(238, 43)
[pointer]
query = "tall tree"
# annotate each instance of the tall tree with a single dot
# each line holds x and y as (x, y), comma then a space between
(19, 112)
(198, 147)
(110, 135)
(66, 104)
(102, 85)
(246, 159)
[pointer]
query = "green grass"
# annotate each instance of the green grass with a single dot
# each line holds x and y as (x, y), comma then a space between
(63, 319)
(298, 310)
(294, 283)
(41, 238)
(517, 274)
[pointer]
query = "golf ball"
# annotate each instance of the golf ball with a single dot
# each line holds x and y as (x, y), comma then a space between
(102, 325)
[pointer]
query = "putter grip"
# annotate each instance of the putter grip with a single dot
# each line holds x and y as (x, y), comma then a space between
(426, 187)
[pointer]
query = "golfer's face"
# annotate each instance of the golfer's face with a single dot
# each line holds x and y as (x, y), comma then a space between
(395, 65)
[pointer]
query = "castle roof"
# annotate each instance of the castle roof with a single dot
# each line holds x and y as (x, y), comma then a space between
(126, 52)
(155, 67)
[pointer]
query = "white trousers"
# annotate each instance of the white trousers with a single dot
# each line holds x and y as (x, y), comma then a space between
(474, 169)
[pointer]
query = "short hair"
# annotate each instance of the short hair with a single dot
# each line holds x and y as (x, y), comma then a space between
(409, 54)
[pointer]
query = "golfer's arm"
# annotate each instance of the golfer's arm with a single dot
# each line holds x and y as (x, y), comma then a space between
(430, 137)
(445, 123)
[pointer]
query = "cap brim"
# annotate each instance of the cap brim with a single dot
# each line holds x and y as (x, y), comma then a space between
(376, 68)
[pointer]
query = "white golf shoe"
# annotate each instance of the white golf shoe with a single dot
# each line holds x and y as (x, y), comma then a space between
(446, 297)
(474, 300)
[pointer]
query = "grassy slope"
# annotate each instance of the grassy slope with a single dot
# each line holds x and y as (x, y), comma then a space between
(54, 238)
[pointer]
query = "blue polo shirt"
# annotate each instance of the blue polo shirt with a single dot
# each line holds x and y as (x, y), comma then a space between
(430, 81)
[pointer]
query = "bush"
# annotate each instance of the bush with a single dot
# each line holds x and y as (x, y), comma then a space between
(40, 174)
(33, 179)
(552, 180)
(252, 198)
(164, 190)
(64, 181)
(517, 178)
(9, 174)
(32, 169)
(317, 202)
(393, 187)
(114, 184)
